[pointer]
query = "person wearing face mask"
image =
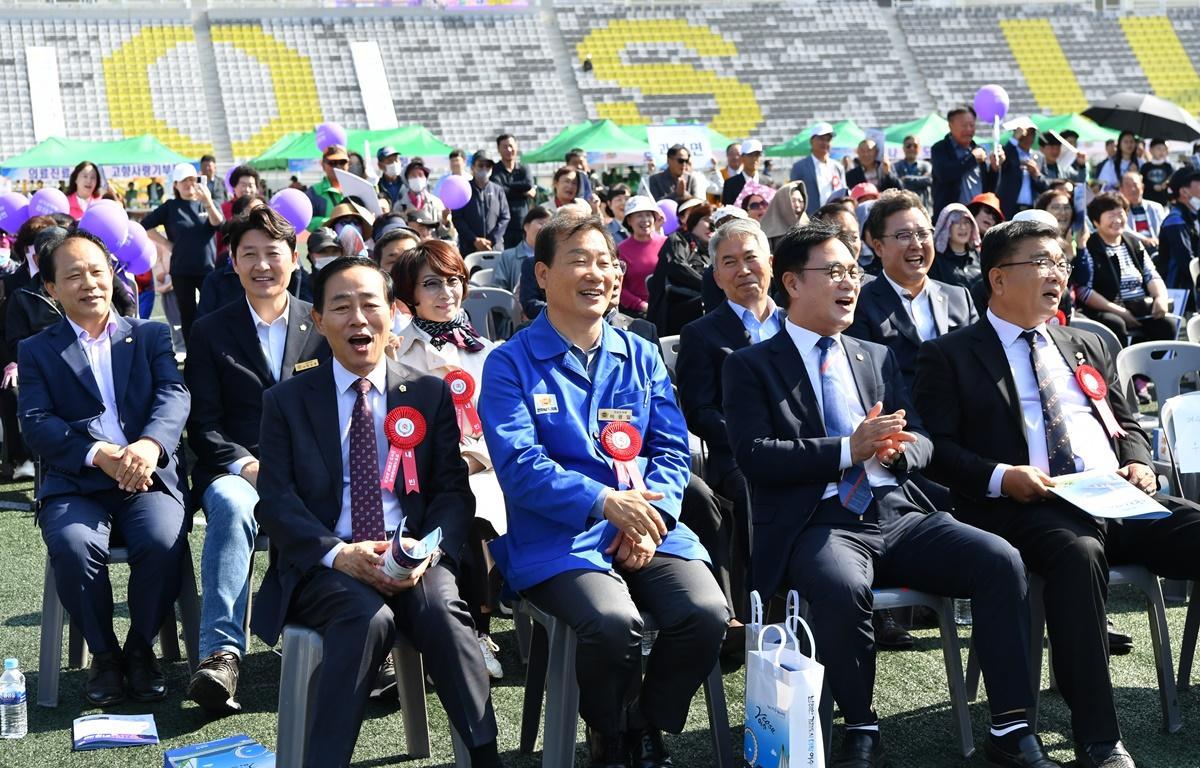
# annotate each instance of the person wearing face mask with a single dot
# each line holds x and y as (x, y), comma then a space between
(391, 182)
(482, 222)
(1178, 240)
(353, 224)
(323, 247)
(417, 196)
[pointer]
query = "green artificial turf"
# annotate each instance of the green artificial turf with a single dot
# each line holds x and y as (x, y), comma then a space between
(910, 691)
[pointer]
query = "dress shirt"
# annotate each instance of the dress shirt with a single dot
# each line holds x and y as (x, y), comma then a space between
(919, 309)
(806, 343)
(759, 330)
(1025, 196)
(271, 340)
(343, 380)
(98, 352)
(1089, 441)
(828, 179)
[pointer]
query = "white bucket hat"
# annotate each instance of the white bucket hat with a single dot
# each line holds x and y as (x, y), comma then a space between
(640, 203)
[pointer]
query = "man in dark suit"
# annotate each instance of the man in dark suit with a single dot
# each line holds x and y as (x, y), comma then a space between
(961, 168)
(323, 452)
(238, 352)
(482, 222)
(1000, 439)
(821, 426)
(1020, 181)
(906, 307)
(871, 167)
(103, 405)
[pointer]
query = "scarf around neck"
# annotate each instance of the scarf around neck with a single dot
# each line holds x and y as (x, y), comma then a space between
(458, 332)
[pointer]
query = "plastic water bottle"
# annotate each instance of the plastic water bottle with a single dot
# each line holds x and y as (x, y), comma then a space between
(962, 611)
(13, 722)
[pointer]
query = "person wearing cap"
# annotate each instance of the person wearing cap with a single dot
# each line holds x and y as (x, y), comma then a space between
(352, 223)
(1055, 165)
(822, 175)
(189, 221)
(862, 192)
(507, 272)
(750, 157)
(327, 193)
(519, 188)
(986, 210)
(391, 182)
(482, 222)
(1178, 238)
(870, 167)
(644, 220)
(1020, 180)
(961, 168)
(323, 247)
(417, 196)
(915, 174)
(678, 181)
(391, 236)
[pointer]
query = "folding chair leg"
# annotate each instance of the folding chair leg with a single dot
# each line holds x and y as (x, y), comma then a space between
(718, 717)
(954, 679)
(302, 653)
(410, 681)
(1160, 637)
(1037, 634)
(189, 613)
(522, 625)
(78, 656)
(1191, 629)
(50, 649)
(973, 671)
(535, 684)
(168, 638)
(562, 699)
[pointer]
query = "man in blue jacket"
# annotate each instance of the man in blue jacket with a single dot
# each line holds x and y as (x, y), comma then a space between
(578, 412)
(481, 223)
(1178, 239)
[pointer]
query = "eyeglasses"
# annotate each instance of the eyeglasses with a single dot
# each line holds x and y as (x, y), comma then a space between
(435, 285)
(621, 266)
(906, 237)
(338, 163)
(837, 273)
(683, 160)
(756, 206)
(1044, 266)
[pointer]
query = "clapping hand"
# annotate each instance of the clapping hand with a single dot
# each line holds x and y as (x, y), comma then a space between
(880, 435)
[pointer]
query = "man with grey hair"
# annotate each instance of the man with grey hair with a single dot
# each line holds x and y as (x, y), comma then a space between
(741, 263)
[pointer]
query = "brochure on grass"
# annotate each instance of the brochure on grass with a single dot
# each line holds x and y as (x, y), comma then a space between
(239, 751)
(104, 731)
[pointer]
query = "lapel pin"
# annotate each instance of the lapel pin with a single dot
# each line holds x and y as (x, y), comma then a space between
(128, 339)
(304, 326)
(403, 388)
(858, 357)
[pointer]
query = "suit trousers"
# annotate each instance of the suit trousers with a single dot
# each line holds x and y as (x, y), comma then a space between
(712, 520)
(1072, 553)
(150, 525)
(603, 609)
(835, 565)
(358, 626)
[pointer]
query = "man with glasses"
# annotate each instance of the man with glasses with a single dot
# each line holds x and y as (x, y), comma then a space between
(822, 427)
(678, 182)
(326, 194)
(915, 174)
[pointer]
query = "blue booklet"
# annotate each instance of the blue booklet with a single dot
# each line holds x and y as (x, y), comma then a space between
(239, 751)
(104, 731)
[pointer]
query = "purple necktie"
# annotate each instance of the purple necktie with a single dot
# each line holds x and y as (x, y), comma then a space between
(366, 500)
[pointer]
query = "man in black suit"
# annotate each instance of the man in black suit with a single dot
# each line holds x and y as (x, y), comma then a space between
(1000, 439)
(821, 425)
(102, 405)
(236, 353)
(1020, 180)
(906, 307)
(323, 452)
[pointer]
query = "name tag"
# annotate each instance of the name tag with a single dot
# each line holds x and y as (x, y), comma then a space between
(306, 365)
(545, 404)
(615, 414)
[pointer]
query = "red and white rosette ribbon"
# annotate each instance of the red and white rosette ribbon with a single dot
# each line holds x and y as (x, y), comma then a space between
(462, 391)
(623, 442)
(1096, 389)
(405, 429)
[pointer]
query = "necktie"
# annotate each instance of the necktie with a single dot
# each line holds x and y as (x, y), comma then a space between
(853, 489)
(366, 500)
(1058, 441)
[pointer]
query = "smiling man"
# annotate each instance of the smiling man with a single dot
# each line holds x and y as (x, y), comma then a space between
(237, 353)
(1007, 415)
(822, 428)
(324, 451)
(591, 452)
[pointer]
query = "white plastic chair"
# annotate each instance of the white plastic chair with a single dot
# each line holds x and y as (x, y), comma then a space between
(483, 304)
(670, 351)
(480, 260)
(1163, 362)
(483, 278)
(1193, 329)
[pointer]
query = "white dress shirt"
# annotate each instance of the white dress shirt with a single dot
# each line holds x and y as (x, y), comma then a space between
(343, 380)
(98, 352)
(759, 330)
(919, 308)
(828, 178)
(1089, 441)
(806, 344)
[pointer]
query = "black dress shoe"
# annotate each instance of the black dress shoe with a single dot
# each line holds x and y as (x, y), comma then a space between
(145, 676)
(860, 749)
(106, 680)
(889, 634)
(647, 750)
(214, 686)
(1119, 643)
(1104, 754)
(1029, 753)
(606, 750)
(385, 678)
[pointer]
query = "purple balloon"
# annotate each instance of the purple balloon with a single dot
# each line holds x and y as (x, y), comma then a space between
(132, 247)
(143, 260)
(107, 220)
(293, 205)
(48, 201)
(455, 192)
(14, 211)
(670, 215)
(329, 134)
(991, 102)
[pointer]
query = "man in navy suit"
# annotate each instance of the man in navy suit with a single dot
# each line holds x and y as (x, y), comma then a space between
(821, 425)
(822, 175)
(481, 223)
(906, 307)
(103, 406)
(236, 353)
(961, 168)
(1020, 180)
(323, 451)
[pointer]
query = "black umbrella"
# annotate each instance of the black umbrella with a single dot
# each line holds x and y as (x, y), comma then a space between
(1145, 115)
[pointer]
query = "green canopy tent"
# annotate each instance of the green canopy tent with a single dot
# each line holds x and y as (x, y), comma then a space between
(927, 130)
(299, 151)
(55, 157)
(604, 141)
(554, 150)
(1088, 130)
(846, 135)
(716, 140)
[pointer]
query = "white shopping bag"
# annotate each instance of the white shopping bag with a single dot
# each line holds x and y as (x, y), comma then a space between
(755, 627)
(783, 696)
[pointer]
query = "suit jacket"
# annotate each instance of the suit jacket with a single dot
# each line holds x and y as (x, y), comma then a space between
(967, 396)
(948, 170)
(856, 176)
(60, 404)
(300, 484)
(805, 170)
(1008, 187)
(226, 372)
(777, 433)
(880, 317)
(486, 214)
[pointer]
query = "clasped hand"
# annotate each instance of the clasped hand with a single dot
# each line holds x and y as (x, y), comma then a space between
(631, 553)
(132, 467)
(880, 435)
(631, 512)
(363, 560)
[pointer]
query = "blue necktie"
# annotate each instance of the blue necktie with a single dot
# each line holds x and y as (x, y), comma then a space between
(853, 489)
